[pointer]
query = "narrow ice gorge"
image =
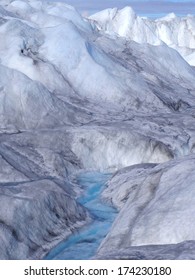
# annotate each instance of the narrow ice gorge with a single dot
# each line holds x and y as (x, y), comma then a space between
(113, 93)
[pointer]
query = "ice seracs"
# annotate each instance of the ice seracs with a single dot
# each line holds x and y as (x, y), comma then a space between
(125, 23)
(176, 32)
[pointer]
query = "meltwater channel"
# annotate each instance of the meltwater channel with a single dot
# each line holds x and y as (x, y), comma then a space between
(83, 244)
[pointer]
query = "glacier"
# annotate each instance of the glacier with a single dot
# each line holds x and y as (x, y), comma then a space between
(113, 93)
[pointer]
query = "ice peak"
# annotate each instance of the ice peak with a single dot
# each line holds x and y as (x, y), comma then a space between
(127, 12)
(168, 17)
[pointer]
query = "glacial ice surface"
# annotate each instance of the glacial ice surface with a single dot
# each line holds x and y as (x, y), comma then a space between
(159, 200)
(110, 93)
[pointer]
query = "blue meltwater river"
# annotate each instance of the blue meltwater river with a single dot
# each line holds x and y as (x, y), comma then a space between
(84, 244)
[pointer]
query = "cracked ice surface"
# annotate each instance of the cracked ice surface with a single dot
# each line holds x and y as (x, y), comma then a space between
(76, 98)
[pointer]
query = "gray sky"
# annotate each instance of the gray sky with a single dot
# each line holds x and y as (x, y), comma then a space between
(151, 8)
